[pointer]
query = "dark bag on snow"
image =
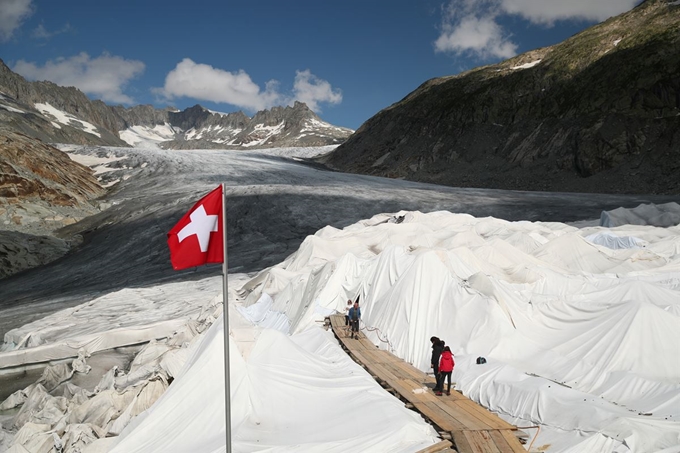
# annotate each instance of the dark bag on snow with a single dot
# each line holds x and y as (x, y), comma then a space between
(481, 360)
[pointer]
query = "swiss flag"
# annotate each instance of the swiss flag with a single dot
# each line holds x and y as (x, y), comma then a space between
(198, 237)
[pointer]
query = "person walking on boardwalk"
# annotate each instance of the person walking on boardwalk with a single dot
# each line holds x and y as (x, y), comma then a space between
(446, 364)
(437, 348)
(348, 307)
(354, 317)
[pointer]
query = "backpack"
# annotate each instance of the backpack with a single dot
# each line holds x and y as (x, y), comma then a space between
(481, 360)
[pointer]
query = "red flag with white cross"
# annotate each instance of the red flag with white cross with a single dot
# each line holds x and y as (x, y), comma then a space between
(198, 237)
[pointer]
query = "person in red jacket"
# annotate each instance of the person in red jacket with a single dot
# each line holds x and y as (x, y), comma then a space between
(446, 364)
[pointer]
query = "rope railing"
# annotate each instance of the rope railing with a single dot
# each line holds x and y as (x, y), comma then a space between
(378, 333)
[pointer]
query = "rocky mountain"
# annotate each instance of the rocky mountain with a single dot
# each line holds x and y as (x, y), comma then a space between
(58, 114)
(41, 191)
(599, 112)
(197, 127)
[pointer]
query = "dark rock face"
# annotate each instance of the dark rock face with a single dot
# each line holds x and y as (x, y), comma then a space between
(25, 107)
(19, 251)
(16, 90)
(30, 169)
(142, 115)
(599, 112)
(41, 191)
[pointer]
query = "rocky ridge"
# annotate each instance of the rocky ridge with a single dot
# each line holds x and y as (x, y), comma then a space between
(198, 128)
(599, 112)
(41, 191)
(58, 114)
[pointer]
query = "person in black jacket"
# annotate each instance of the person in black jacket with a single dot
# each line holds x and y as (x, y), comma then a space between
(437, 348)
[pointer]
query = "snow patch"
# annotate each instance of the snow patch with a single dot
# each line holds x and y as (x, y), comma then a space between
(148, 137)
(11, 109)
(320, 127)
(66, 118)
(527, 65)
(217, 113)
(263, 133)
(98, 164)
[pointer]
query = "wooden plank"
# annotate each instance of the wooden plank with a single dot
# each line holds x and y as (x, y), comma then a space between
(383, 355)
(460, 442)
(337, 321)
(429, 397)
(374, 356)
(454, 396)
(513, 441)
(406, 391)
(481, 442)
(437, 448)
(382, 359)
(500, 441)
(365, 344)
(382, 373)
(478, 413)
(463, 417)
(440, 417)
(341, 334)
(420, 378)
(386, 356)
(424, 394)
(484, 415)
(354, 345)
(473, 428)
(409, 370)
(359, 355)
(369, 362)
(491, 418)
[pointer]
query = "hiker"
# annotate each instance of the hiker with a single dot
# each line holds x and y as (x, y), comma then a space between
(446, 364)
(347, 309)
(354, 317)
(437, 348)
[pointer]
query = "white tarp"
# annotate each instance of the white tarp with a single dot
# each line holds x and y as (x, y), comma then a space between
(600, 326)
(580, 338)
(613, 241)
(661, 215)
(299, 393)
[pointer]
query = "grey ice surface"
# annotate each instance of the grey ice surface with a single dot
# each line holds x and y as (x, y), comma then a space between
(273, 204)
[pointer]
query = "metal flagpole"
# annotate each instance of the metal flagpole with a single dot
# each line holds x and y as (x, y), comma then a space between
(225, 314)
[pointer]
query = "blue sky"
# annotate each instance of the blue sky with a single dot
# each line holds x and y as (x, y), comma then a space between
(347, 60)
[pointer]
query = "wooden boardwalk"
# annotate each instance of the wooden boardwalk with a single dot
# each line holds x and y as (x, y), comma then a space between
(472, 428)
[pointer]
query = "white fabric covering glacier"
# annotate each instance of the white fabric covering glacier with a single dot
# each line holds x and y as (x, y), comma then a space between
(662, 215)
(297, 393)
(580, 337)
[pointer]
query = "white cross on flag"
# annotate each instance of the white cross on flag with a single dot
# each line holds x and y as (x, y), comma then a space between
(198, 237)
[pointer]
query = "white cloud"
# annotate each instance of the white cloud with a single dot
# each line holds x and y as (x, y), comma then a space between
(12, 14)
(472, 26)
(481, 36)
(103, 77)
(311, 90)
(548, 11)
(40, 32)
(207, 83)
(203, 82)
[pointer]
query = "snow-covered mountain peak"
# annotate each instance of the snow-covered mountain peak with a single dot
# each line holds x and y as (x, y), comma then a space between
(201, 128)
(58, 114)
